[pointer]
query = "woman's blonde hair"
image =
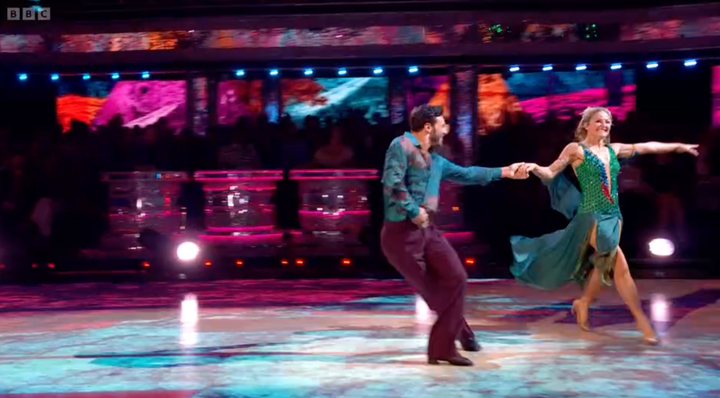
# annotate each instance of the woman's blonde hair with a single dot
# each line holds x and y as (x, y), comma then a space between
(589, 113)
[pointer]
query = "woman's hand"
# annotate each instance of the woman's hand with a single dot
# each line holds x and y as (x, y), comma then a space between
(543, 173)
(688, 148)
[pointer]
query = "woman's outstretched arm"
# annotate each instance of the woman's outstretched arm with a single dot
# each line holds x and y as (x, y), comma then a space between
(653, 148)
(570, 154)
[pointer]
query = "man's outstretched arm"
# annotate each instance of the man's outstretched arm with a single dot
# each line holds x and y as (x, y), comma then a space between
(475, 175)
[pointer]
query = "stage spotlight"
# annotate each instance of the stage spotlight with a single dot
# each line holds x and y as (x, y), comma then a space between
(54, 77)
(115, 76)
(240, 72)
(515, 68)
(378, 71)
(22, 77)
(188, 251)
(581, 67)
(691, 62)
(86, 76)
(413, 69)
(342, 72)
(145, 75)
(547, 68)
(652, 65)
(661, 247)
(308, 72)
(274, 72)
(616, 66)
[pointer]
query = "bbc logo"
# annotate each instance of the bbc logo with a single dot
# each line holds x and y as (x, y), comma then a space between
(28, 14)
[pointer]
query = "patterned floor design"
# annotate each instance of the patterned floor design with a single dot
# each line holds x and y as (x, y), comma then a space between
(347, 338)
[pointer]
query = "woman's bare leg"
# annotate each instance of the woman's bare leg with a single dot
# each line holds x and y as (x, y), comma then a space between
(581, 306)
(628, 292)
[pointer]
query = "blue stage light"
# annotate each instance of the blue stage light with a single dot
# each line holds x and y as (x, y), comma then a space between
(55, 77)
(652, 65)
(616, 66)
(378, 71)
(413, 69)
(342, 72)
(240, 72)
(22, 77)
(145, 75)
(691, 62)
(274, 72)
(115, 76)
(514, 68)
(308, 72)
(547, 68)
(86, 76)
(581, 67)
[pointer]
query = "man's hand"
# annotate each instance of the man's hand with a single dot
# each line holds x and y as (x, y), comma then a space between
(516, 171)
(421, 220)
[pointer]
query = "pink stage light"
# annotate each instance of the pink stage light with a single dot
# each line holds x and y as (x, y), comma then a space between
(458, 235)
(257, 228)
(238, 175)
(329, 213)
(342, 171)
(242, 239)
(334, 174)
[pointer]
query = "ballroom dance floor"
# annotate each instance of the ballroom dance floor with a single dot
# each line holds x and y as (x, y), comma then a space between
(347, 338)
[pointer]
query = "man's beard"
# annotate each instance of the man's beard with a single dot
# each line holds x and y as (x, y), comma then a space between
(435, 140)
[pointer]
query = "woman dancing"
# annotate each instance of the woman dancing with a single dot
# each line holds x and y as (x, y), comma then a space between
(587, 250)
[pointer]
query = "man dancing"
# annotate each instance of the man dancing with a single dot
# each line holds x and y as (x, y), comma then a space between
(409, 238)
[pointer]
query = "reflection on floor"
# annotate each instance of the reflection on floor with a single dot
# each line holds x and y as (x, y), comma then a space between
(358, 338)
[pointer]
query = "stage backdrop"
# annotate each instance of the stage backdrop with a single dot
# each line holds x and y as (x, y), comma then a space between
(716, 96)
(561, 94)
(335, 98)
(139, 103)
(239, 98)
(433, 90)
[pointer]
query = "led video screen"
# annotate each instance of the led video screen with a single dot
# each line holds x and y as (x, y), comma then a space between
(433, 90)
(572, 92)
(239, 98)
(335, 98)
(560, 94)
(138, 103)
(716, 96)
(500, 99)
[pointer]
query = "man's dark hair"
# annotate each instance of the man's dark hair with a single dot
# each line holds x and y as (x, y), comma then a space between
(424, 114)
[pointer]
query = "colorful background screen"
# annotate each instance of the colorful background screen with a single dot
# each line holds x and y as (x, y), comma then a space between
(433, 90)
(335, 98)
(716, 96)
(139, 103)
(558, 94)
(239, 98)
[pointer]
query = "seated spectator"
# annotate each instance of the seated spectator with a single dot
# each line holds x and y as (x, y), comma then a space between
(335, 153)
(239, 154)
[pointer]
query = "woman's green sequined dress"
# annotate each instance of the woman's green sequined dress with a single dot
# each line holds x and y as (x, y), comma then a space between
(550, 261)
